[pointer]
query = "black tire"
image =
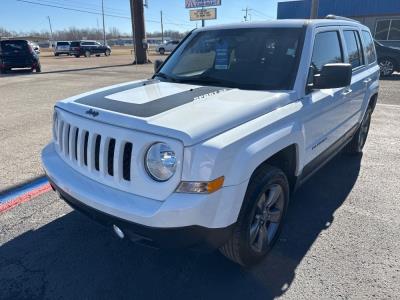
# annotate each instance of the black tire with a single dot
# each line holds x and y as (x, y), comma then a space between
(38, 68)
(243, 247)
(357, 143)
(77, 56)
(56, 54)
(107, 52)
(162, 51)
(387, 66)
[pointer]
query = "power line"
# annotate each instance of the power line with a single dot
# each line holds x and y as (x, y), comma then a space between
(73, 9)
(95, 13)
(262, 14)
(79, 6)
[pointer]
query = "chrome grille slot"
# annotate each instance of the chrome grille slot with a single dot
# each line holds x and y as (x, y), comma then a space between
(97, 153)
(85, 148)
(110, 157)
(126, 161)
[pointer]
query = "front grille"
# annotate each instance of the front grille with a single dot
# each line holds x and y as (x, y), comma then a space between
(94, 151)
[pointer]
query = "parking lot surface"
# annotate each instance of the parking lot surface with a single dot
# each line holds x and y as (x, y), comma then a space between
(341, 239)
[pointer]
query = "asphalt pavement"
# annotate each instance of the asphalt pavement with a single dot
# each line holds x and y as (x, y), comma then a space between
(341, 239)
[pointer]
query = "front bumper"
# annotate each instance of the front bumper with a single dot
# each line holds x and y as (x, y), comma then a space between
(190, 218)
(190, 236)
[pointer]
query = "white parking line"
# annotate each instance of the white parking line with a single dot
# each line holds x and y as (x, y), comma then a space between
(388, 105)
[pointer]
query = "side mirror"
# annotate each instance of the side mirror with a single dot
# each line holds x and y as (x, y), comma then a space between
(157, 65)
(333, 76)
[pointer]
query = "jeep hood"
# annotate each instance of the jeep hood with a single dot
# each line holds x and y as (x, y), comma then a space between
(190, 113)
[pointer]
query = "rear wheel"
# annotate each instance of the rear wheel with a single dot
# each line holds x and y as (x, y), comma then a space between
(87, 53)
(358, 141)
(387, 66)
(260, 219)
(162, 51)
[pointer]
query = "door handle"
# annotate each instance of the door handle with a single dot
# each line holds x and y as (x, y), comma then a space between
(347, 91)
(368, 80)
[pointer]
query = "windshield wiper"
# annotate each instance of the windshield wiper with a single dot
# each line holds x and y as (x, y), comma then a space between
(165, 76)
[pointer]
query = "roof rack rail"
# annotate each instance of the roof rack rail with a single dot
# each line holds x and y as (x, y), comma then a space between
(333, 17)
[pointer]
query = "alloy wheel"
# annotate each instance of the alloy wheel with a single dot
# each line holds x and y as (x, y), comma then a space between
(267, 217)
(386, 67)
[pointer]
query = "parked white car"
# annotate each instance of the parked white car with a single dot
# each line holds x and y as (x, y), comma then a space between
(167, 47)
(35, 47)
(62, 47)
(210, 150)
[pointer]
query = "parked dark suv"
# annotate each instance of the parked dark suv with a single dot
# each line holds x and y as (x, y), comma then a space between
(388, 58)
(18, 54)
(87, 48)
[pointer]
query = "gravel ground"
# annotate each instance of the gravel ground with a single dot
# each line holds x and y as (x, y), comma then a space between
(341, 239)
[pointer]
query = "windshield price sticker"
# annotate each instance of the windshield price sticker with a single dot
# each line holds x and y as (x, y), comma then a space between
(222, 56)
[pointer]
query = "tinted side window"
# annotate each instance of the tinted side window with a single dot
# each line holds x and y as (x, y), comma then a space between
(369, 47)
(394, 34)
(353, 48)
(327, 50)
(382, 29)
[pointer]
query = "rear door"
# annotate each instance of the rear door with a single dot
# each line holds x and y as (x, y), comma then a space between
(354, 96)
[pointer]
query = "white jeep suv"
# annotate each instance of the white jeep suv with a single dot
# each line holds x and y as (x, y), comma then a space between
(209, 150)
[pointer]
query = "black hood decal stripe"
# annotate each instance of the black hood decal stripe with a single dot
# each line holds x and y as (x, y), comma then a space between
(148, 109)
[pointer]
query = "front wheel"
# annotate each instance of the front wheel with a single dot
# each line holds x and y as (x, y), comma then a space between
(87, 53)
(386, 66)
(107, 53)
(261, 217)
(38, 68)
(162, 51)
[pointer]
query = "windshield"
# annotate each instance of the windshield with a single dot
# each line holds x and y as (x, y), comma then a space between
(62, 44)
(255, 58)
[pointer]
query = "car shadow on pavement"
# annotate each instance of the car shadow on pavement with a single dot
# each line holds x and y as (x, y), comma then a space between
(74, 258)
(393, 77)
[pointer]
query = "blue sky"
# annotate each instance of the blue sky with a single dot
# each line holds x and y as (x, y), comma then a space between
(22, 16)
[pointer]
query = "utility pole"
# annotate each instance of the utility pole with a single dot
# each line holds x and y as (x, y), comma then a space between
(104, 27)
(246, 16)
(314, 9)
(51, 30)
(162, 28)
(138, 28)
(203, 22)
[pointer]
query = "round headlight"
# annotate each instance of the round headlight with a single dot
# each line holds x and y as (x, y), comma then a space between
(160, 162)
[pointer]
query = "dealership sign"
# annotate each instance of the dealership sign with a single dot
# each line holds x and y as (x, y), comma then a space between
(201, 3)
(203, 14)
